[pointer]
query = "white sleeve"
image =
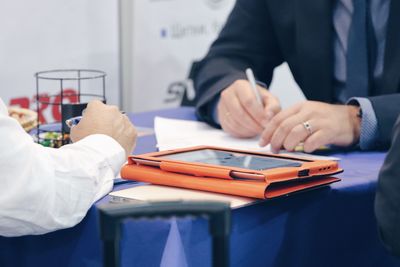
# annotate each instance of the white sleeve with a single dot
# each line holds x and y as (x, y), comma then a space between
(44, 189)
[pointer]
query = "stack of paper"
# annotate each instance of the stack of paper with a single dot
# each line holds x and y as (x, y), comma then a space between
(165, 193)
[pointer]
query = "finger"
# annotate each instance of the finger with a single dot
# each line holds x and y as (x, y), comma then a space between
(227, 124)
(233, 131)
(75, 132)
(240, 116)
(300, 133)
(94, 103)
(125, 117)
(281, 133)
(297, 135)
(282, 115)
(316, 140)
(271, 106)
(224, 120)
(126, 120)
(249, 102)
(276, 121)
(113, 108)
(131, 130)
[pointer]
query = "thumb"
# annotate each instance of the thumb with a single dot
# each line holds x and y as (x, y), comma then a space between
(272, 105)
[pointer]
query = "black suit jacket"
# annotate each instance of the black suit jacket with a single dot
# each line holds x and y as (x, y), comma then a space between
(387, 201)
(262, 34)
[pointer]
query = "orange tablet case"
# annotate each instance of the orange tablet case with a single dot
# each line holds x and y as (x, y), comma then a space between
(276, 182)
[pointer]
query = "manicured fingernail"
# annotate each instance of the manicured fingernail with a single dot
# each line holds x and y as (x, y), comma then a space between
(262, 142)
(275, 151)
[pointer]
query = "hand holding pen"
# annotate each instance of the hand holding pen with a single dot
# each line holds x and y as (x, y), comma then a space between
(106, 120)
(245, 107)
(71, 122)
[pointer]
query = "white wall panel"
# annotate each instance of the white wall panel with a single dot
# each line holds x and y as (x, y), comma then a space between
(54, 34)
(160, 40)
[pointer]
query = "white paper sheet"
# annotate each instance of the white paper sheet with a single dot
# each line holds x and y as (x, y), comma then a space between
(166, 193)
(173, 133)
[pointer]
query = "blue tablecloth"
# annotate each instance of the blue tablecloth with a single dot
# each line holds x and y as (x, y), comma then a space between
(332, 226)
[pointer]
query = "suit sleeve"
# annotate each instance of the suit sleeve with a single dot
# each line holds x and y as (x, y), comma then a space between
(387, 109)
(247, 40)
(387, 201)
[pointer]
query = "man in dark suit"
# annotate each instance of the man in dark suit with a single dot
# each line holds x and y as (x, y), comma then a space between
(342, 52)
(387, 201)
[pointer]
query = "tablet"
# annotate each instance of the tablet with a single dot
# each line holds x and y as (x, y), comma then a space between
(236, 164)
(232, 159)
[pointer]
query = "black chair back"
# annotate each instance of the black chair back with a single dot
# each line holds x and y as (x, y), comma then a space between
(112, 215)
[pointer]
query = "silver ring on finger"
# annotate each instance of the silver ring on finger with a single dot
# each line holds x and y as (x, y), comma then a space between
(308, 127)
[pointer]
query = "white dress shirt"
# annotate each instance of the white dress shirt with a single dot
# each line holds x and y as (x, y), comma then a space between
(45, 189)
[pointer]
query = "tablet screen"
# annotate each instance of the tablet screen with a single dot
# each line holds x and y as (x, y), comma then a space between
(232, 159)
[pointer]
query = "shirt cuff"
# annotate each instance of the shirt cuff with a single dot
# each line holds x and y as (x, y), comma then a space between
(369, 124)
(214, 105)
(110, 150)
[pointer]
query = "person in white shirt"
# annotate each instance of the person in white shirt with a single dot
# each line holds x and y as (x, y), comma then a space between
(45, 189)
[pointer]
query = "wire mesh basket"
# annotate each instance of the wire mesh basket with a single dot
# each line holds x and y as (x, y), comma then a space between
(66, 94)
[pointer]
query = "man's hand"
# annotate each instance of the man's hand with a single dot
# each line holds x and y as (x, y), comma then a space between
(314, 123)
(240, 114)
(103, 119)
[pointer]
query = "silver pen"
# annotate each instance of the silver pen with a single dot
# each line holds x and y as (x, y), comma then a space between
(75, 120)
(253, 85)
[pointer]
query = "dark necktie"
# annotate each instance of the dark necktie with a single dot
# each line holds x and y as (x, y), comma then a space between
(360, 51)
